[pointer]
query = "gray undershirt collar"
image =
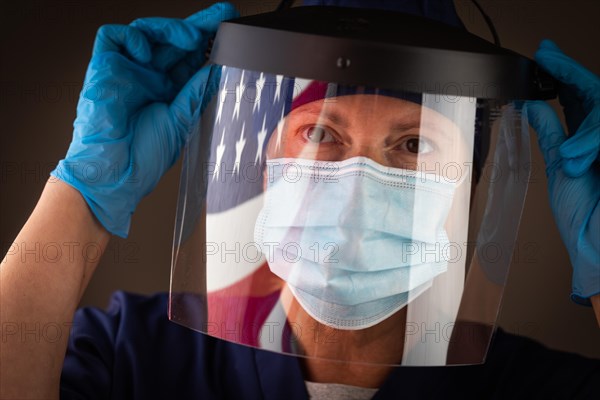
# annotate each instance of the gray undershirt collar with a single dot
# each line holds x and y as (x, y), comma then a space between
(336, 391)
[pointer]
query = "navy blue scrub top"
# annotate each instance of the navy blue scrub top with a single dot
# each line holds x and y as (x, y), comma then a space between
(132, 351)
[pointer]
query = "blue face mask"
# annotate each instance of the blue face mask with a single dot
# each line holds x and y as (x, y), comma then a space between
(354, 240)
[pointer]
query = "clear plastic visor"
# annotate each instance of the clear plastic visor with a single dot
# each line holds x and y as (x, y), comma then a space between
(347, 223)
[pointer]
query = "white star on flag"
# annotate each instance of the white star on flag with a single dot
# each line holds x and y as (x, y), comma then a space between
(239, 148)
(260, 84)
(245, 125)
(220, 152)
(279, 79)
(239, 91)
(222, 99)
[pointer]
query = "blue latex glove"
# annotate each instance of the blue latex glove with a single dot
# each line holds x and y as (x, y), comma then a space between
(572, 164)
(141, 97)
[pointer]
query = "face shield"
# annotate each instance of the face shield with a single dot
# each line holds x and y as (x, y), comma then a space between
(328, 211)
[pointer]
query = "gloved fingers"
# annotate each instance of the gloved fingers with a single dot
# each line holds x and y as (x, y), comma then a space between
(153, 151)
(568, 71)
(582, 149)
(178, 39)
(586, 140)
(550, 134)
(181, 72)
(574, 108)
(187, 103)
(208, 20)
(171, 31)
(165, 56)
(115, 38)
(579, 166)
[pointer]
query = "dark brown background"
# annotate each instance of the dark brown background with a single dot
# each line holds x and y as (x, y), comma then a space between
(45, 48)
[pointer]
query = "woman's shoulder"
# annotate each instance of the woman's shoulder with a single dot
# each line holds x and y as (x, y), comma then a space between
(133, 341)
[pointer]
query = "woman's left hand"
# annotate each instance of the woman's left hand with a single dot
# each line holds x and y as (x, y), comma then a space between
(572, 164)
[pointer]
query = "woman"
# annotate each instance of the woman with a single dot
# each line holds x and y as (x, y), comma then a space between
(63, 214)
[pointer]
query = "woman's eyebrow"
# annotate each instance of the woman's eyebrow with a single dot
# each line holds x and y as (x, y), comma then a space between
(403, 125)
(321, 111)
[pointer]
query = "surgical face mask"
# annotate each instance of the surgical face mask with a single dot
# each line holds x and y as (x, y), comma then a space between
(354, 240)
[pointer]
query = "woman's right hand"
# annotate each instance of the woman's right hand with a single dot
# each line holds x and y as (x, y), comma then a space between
(142, 92)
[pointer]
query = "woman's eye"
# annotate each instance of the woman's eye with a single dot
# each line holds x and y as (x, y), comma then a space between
(318, 134)
(417, 145)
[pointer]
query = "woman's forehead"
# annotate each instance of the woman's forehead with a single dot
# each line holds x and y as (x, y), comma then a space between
(349, 108)
(365, 102)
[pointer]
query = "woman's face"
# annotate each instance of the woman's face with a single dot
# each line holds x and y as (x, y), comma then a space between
(392, 132)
